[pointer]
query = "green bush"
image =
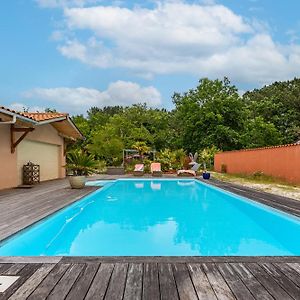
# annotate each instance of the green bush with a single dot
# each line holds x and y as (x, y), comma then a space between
(80, 163)
(171, 160)
(206, 157)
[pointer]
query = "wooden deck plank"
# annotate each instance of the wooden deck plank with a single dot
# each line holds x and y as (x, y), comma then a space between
(4, 268)
(99, 285)
(168, 289)
(217, 282)
(235, 283)
(184, 283)
(81, 287)
(65, 284)
(134, 282)
(256, 289)
(117, 282)
(289, 271)
(32, 282)
(150, 282)
(14, 269)
(201, 283)
(155, 281)
(268, 282)
(44, 289)
(174, 259)
(295, 266)
(24, 274)
(282, 280)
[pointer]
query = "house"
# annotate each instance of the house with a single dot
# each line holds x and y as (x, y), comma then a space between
(39, 138)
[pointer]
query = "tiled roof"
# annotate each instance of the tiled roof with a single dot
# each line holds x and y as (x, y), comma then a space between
(15, 112)
(43, 116)
(66, 127)
(36, 116)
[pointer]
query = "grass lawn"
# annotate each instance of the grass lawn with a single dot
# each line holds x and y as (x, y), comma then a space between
(263, 183)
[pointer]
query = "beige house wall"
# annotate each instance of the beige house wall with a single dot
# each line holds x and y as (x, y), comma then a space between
(39, 147)
(8, 161)
(45, 155)
(48, 134)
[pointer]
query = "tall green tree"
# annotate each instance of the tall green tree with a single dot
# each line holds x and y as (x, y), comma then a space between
(212, 114)
(259, 133)
(278, 104)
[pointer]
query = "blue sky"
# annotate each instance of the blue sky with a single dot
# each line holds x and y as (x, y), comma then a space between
(73, 54)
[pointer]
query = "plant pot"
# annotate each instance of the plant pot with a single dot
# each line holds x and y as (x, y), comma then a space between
(77, 182)
(206, 175)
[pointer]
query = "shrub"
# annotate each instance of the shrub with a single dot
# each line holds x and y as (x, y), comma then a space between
(258, 175)
(171, 160)
(223, 168)
(81, 163)
(207, 157)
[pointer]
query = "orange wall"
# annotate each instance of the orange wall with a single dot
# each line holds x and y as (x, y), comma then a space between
(281, 162)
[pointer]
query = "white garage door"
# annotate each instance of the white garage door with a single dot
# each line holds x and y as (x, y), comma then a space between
(45, 155)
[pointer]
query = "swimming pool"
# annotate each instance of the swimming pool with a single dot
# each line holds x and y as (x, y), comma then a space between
(159, 217)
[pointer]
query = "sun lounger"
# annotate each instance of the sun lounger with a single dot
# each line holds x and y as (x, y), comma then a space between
(156, 169)
(138, 170)
(191, 172)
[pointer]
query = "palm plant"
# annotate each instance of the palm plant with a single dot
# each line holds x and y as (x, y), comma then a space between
(141, 147)
(81, 163)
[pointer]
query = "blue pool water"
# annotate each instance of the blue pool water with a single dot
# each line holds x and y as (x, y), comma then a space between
(160, 217)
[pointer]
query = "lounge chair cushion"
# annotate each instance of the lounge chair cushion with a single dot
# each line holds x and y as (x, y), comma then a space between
(139, 167)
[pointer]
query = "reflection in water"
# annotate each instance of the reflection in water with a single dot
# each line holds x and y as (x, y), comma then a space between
(159, 217)
(139, 185)
(185, 183)
(155, 186)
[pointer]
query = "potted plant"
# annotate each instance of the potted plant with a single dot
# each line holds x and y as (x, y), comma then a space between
(79, 165)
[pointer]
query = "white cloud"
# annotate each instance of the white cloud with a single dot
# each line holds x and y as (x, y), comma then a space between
(178, 37)
(17, 106)
(57, 35)
(78, 100)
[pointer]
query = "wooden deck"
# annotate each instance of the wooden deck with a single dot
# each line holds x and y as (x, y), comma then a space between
(138, 277)
(148, 279)
(20, 208)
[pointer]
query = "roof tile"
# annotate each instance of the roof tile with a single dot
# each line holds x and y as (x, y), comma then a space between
(36, 116)
(43, 116)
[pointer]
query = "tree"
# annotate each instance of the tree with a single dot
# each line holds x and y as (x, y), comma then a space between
(141, 147)
(212, 114)
(105, 145)
(278, 104)
(259, 133)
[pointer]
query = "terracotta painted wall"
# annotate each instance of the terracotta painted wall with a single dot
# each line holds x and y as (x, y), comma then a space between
(8, 165)
(280, 162)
